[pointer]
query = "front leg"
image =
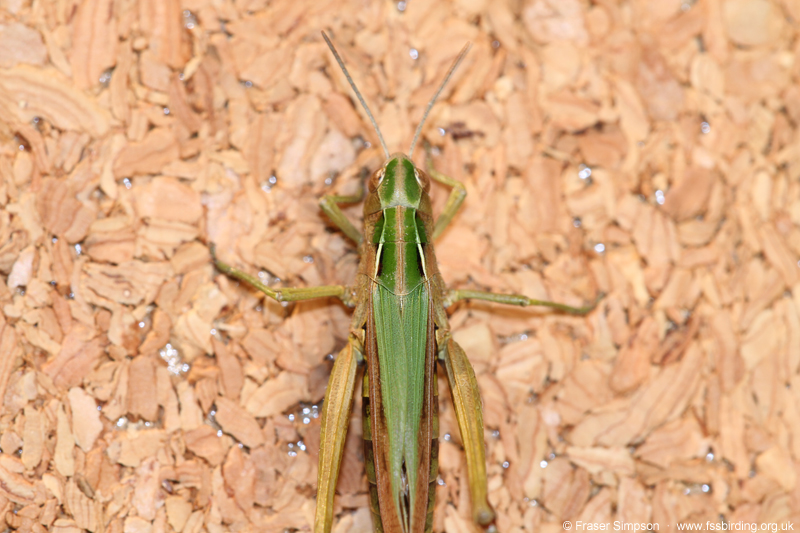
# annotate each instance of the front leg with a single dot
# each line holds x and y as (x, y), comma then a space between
(457, 195)
(289, 294)
(330, 206)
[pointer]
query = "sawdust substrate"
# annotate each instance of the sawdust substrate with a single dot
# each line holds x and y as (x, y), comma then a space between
(648, 150)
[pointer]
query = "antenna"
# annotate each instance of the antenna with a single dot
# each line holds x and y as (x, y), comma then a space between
(435, 96)
(358, 94)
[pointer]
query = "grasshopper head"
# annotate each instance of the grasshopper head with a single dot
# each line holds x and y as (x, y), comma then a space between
(399, 184)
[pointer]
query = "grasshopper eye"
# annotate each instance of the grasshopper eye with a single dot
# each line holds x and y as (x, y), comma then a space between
(422, 180)
(381, 175)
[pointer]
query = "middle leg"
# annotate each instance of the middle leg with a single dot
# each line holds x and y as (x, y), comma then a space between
(517, 299)
(289, 294)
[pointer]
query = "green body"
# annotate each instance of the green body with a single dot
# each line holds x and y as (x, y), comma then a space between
(401, 360)
(399, 332)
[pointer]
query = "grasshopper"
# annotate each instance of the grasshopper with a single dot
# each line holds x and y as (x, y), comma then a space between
(399, 332)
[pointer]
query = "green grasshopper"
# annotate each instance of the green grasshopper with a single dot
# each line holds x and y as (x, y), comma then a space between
(400, 333)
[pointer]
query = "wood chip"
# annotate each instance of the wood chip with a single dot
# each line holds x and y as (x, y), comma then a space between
(751, 22)
(147, 156)
(65, 445)
(32, 438)
(276, 395)
(15, 487)
(143, 395)
(178, 512)
(27, 93)
(88, 514)
(94, 42)
(20, 44)
(147, 496)
(596, 460)
(238, 422)
(131, 448)
(205, 443)
(86, 425)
